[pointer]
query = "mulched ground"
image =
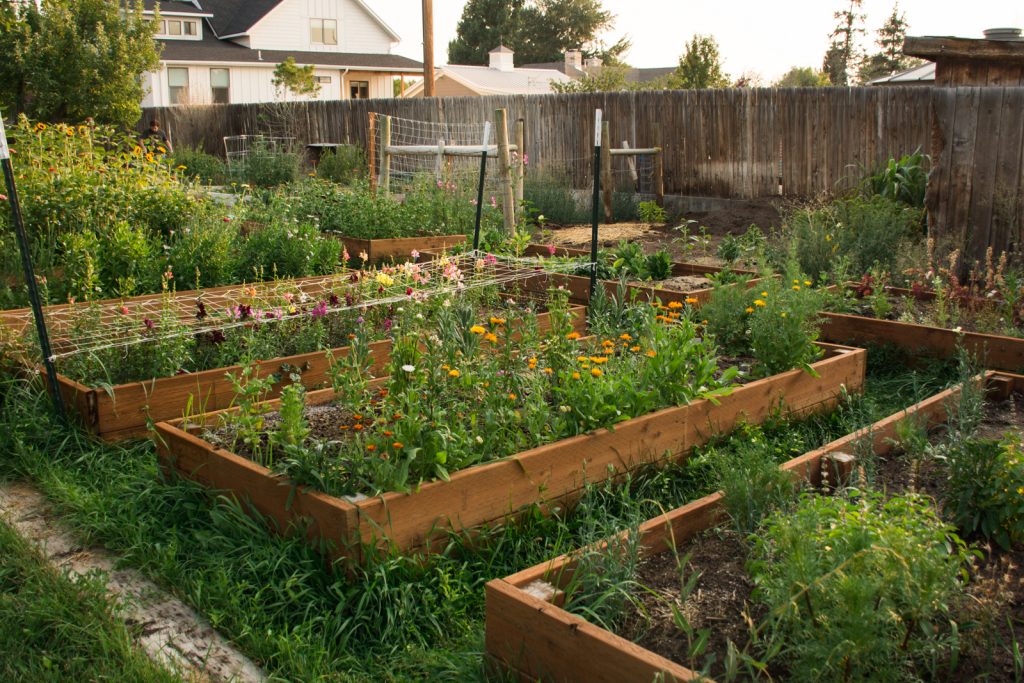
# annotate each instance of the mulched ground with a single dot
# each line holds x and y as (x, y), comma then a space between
(721, 600)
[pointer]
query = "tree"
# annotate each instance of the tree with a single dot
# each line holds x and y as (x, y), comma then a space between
(890, 58)
(299, 80)
(608, 78)
(803, 77)
(67, 60)
(536, 30)
(844, 55)
(700, 66)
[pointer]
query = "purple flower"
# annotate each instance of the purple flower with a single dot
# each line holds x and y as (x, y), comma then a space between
(319, 311)
(245, 311)
(201, 310)
(348, 300)
(334, 299)
(387, 325)
(150, 325)
(360, 320)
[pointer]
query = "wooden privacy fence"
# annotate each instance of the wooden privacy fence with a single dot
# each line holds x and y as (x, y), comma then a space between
(976, 189)
(739, 142)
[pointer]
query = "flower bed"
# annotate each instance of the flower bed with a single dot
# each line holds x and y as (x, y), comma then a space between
(518, 409)
(177, 367)
(870, 325)
(530, 634)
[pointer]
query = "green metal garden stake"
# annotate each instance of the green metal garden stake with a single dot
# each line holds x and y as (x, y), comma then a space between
(30, 275)
(480, 187)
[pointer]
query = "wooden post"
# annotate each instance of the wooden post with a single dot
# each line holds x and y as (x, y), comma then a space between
(371, 152)
(505, 166)
(606, 172)
(439, 162)
(428, 48)
(385, 156)
(521, 161)
(631, 163)
(659, 168)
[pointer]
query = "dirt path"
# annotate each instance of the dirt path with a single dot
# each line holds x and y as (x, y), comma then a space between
(171, 631)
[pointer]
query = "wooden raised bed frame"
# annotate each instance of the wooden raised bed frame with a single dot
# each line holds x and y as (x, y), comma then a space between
(399, 248)
(531, 636)
(994, 351)
(494, 491)
(127, 410)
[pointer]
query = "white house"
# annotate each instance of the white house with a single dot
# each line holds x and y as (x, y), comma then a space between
(501, 77)
(225, 51)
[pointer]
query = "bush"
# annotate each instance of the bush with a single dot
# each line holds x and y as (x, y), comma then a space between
(265, 166)
(785, 325)
(550, 195)
(344, 164)
(123, 261)
(287, 250)
(200, 166)
(861, 232)
(202, 254)
(859, 589)
(905, 180)
(985, 488)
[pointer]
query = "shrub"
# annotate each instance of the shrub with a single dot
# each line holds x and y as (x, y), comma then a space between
(124, 261)
(857, 589)
(650, 212)
(785, 325)
(752, 484)
(201, 166)
(550, 194)
(287, 250)
(343, 164)
(726, 321)
(202, 253)
(985, 488)
(265, 166)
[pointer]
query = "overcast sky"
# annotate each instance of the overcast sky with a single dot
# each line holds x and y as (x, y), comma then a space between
(754, 35)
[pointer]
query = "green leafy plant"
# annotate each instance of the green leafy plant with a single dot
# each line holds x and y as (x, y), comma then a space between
(985, 488)
(343, 164)
(206, 168)
(752, 485)
(267, 165)
(860, 588)
(904, 179)
(785, 325)
(651, 213)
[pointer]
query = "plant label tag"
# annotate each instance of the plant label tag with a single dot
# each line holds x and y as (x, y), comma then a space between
(5, 153)
(597, 128)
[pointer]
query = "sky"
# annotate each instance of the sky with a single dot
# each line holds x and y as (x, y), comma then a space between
(766, 38)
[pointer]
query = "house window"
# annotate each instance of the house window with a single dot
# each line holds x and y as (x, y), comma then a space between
(178, 28)
(359, 90)
(323, 31)
(323, 80)
(177, 85)
(220, 85)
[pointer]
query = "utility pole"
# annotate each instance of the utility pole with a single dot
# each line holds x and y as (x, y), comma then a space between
(428, 48)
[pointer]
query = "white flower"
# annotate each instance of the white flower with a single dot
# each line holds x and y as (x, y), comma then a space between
(409, 368)
(479, 439)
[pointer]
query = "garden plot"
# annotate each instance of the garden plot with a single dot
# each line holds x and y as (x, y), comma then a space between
(930, 323)
(681, 626)
(156, 358)
(458, 437)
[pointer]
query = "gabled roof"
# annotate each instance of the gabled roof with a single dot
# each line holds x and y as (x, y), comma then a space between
(174, 7)
(212, 49)
(487, 81)
(237, 17)
(923, 74)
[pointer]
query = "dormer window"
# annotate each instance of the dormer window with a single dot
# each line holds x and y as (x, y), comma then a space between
(178, 29)
(323, 31)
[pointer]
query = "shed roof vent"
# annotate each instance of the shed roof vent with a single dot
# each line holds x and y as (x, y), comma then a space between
(1003, 34)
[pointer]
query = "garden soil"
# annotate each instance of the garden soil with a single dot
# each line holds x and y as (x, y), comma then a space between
(167, 629)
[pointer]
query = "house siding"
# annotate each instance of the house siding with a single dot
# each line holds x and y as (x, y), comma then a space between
(447, 87)
(286, 27)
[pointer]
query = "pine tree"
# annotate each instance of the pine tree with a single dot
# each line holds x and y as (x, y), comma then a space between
(844, 56)
(890, 59)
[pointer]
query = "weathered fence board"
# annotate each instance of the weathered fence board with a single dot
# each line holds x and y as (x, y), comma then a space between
(729, 143)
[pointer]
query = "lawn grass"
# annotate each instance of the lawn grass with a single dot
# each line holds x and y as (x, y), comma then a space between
(398, 619)
(56, 627)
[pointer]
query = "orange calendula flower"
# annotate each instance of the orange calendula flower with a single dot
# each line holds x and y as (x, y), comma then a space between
(497, 321)
(454, 373)
(357, 428)
(634, 349)
(692, 300)
(477, 329)
(572, 335)
(674, 304)
(596, 372)
(548, 371)
(343, 427)
(575, 375)
(397, 444)
(512, 397)
(607, 343)
(370, 447)
(749, 309)
(600, 361)
(491, 337)
(652, 353)
(626, 337)
(387, 433)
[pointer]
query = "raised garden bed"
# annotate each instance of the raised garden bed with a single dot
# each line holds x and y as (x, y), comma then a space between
(995, 351)
(530, 635)
(493, 491)
(397, 248)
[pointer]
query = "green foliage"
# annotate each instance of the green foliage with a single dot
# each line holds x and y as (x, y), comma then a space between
(844, 54)
(784, 327)
(803, 77)
(858, 589)
(293, 428)
(123, 262)
(287, 250)
(650, 212)
(267, 166)
(537, 31)
(752, 484)
(905, 180)
(609, 78)
(344, 164)
(856, 234)
(726, 321)
(59, 627)
(549, 194)
(700, 66)
(298, 80)
(66, 60)
(202, 252)
(985, 488)
(203, 167)
(629, 262)
(890, 58)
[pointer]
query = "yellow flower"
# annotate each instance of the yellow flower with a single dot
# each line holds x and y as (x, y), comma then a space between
(758, 302)
(454, 373)
(596, 372)
(548, 371)
(573, 335)
(575, 375)
(532, 363)
(476, 329)
(783, 314)
(497, 321)
(749, 309)
(796, 282)
(764, 293)
(607, 344)
(70, 132)
(149, 156)
(582, 359)
(385, 279)
(180, 168)
(652, 353)
(691, 299)
(41, 126)
(491, 337)
(807, 283)
(796, 288)
(674, 304)
(598, 360)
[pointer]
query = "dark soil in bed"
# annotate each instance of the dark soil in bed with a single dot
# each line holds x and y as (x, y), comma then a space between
(989, 618)
(983, 319)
